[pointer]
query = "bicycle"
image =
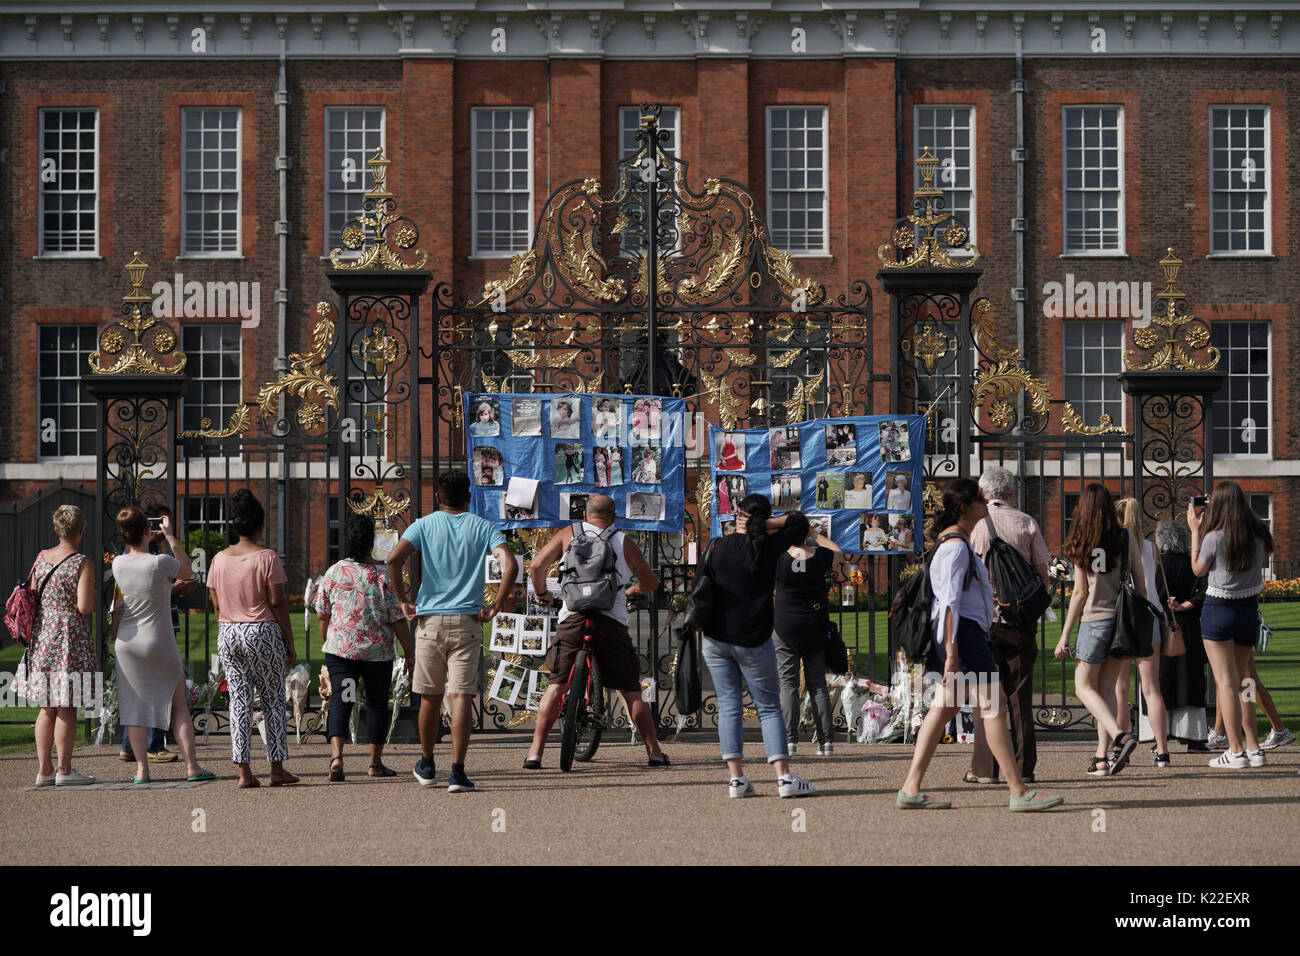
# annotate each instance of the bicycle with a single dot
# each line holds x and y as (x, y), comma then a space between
(582, 708)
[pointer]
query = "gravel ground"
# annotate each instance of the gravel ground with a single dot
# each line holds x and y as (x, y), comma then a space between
(616, 809)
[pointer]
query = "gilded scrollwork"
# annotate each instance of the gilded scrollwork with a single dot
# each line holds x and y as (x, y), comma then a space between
(144, 354)
(906, 251)
(370, 233)
(1174, 335)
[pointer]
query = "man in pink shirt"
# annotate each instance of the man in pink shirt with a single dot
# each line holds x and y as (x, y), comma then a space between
(1015, 648)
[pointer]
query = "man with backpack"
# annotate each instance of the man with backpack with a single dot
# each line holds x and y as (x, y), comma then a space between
(1018, 605)
(599, 562)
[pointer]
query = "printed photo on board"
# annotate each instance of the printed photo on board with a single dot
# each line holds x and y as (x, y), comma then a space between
(728, 525)
(573, 505)
(874, 535)
(526, 417)
(841, 445)
(820, 524)
(894, 445)
(730, 451)
(644, 425)
(901, 535)
(783, 443)
(607, 462)
(486, 419)
(568, 464)
(857, 490)
(898, 494)
(505, 634)
(606, 420)
(830, 490)
(731, 488)
(645, 506)
(647, 462)
(488, 470)
(566, 417)
(511, 512)
(786, 490)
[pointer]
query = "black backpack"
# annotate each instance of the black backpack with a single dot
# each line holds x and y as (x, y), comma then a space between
(909, 613)
(1018, 591)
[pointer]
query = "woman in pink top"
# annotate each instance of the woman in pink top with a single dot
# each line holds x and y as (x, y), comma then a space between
(246, 586)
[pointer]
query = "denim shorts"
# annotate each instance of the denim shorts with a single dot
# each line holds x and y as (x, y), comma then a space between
(1231, 619)
(1092, 645)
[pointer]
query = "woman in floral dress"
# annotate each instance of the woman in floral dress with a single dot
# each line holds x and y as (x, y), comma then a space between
(59, 667)
(358, 615)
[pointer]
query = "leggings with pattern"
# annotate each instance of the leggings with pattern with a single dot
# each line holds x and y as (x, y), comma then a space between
(252, 656)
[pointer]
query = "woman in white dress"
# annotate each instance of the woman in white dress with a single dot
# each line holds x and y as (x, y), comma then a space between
(150, 679)
(899, 497)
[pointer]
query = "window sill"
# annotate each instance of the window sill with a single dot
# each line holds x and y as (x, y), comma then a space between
(208, 256)
(64, 256)
(1238, 256)
(1095, 255)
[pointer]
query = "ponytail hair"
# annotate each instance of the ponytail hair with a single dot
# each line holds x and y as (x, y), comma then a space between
(957, 494)
(759, 509)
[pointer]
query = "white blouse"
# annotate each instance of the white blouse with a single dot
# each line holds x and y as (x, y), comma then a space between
(947, 572)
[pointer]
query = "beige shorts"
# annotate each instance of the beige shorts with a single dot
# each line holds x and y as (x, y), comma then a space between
(448, 648)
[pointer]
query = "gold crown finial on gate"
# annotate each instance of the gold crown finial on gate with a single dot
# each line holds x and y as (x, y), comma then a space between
(906, 250)
(379, 236)
(1174, 336)
(145, 354)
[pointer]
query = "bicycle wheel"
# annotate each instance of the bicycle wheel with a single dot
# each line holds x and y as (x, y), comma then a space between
(574, 711)
(593, 724)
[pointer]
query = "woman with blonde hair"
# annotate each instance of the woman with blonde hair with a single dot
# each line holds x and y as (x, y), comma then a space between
(61, 656)
(1129, 515)
(150, 678)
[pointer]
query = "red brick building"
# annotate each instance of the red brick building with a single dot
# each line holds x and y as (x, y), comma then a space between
(164, 132)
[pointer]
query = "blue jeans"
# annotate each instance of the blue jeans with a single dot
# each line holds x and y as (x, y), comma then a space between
(156, 740)
(727, 663)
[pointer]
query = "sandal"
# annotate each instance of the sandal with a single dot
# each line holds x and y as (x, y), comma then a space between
(202, 777)
(285, 779)
(1099, 767)
(659, 760)
(379, 770)
(145, 780)
(336, 774)
(1121, 752)
(249, 784)
(969, 777)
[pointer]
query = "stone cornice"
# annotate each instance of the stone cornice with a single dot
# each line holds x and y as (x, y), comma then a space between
(147, 29)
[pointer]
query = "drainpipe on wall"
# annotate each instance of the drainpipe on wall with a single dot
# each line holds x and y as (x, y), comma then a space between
(282, 164)
(1019, 156)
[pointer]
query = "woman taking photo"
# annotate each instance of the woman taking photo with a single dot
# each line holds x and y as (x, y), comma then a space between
(359, 617)
(961, 613)
(150, 678)
(1128, 514)
(1095, 546)
(1231, 545)
(61, 651)
(738, 640)
(1182, 678)
(246, 586)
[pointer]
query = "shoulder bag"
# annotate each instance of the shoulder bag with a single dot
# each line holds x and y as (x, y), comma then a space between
(699, 606)
(1134, 615)
(1171, 635)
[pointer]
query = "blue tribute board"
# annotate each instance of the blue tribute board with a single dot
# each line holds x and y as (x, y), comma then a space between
(859, 477)
(629, 447)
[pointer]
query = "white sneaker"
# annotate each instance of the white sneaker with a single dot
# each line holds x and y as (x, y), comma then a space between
(792, 748)
(1275, 740)
(1216, 741)
(826, 750)
(741, 788)
(71, 779)
(1230, 761)
(45, 780)
(1256, 758)
(793, 786)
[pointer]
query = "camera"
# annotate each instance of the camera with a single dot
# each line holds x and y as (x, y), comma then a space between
(155, 524)
(1199, 501)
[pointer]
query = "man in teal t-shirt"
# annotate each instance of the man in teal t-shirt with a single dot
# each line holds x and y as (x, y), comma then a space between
(449, 612)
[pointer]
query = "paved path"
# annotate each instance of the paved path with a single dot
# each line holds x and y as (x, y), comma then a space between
(618, 810)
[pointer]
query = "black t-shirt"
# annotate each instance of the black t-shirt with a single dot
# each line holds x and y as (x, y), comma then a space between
(743, 602)
(801, 599)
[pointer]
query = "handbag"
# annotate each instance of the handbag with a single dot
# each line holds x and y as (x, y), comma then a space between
(699, 605)
(1135, 616)
(23, 605)
(837, 654)
(1171, 635)
(686, 678)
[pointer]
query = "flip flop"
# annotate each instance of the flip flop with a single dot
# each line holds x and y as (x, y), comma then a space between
(145, 780)
(204, 777)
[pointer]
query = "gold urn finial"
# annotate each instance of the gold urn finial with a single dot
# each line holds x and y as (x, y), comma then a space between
(1171, 264)
(136, 268)
(926, 163)
(378, 164)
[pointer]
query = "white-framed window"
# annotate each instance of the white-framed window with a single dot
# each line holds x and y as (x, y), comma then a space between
(949, 131)
(796, 179)
(1090, 363)
(502, 173)
(352, 134)
(213, 354)
(1243, 404)
(66, 414)
(1240, 213)
(204, 511)
(1093, 165)
(210, 181)
(69, 178)
(629, 121)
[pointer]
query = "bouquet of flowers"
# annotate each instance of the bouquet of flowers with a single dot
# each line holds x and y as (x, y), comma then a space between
(107, 728)
(296, 686)
(401, 686)
(210, 693)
